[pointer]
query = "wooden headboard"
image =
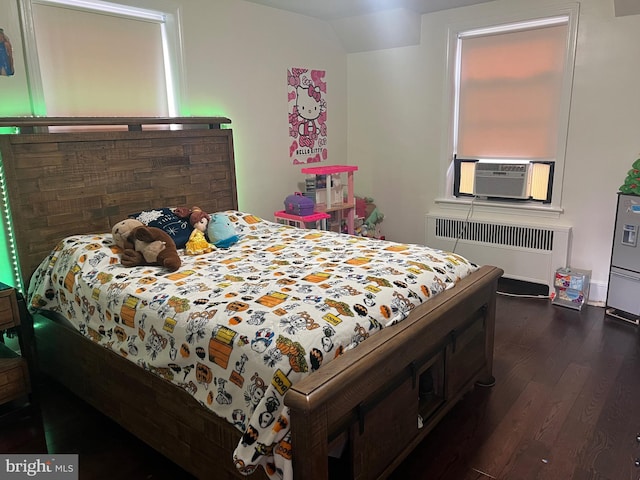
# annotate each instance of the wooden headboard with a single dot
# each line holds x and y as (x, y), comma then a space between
(79, 182)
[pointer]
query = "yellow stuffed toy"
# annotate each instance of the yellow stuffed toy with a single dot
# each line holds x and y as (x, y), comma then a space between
(197, 243)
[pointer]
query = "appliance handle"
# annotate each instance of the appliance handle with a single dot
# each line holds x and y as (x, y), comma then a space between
(620, 274)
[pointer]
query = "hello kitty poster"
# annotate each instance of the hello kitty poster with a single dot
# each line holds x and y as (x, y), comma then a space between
(307, 93)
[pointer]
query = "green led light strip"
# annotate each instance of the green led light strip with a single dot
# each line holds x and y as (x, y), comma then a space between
(8, 229)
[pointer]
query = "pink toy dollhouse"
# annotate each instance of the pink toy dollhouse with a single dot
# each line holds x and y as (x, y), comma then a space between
(332, 197)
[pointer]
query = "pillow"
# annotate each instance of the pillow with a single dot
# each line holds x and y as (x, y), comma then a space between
(164, 218)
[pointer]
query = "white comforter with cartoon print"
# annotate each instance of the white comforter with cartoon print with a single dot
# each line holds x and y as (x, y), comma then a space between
(237, 327)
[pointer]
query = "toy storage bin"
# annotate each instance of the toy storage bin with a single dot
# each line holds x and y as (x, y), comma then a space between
(572, 287)
(298, 204)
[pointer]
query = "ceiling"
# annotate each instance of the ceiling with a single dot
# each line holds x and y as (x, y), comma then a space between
(337, 9)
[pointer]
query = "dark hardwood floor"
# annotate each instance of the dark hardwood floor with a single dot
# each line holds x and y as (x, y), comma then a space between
(566, 406)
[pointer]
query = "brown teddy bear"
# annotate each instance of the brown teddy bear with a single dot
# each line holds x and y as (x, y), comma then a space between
(143, 245)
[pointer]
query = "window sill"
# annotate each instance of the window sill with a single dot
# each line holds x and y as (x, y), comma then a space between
(504, 207)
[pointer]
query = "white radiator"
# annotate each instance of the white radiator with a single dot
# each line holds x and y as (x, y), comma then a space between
(530, 253)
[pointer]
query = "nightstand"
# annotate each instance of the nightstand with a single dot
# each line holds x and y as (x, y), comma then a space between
(14, 367)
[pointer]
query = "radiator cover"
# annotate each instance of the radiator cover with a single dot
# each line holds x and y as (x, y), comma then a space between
(526, 252)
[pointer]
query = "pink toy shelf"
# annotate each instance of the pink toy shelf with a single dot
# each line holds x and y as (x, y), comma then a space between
(329, 169)
(319, 218)
(334, 201)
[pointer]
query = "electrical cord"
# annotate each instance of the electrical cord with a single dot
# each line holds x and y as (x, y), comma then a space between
(462, 232)
(464, 225)
(524, 295)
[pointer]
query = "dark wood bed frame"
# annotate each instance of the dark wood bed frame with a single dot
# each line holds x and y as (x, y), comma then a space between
(365, 403)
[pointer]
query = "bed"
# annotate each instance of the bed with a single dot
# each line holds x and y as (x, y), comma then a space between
(363, 398)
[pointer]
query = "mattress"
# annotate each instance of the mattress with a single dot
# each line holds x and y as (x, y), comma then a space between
(236, 327)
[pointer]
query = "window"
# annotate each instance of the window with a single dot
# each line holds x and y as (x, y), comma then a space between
(96, 58)
(511, 88)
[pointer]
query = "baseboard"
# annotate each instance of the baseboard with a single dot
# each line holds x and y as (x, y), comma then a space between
(597, 294)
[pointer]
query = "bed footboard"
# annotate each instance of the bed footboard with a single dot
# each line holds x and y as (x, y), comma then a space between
(381, 399)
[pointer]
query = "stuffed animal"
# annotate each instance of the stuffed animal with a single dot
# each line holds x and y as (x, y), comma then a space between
(197, 243)
(144, 245)
(221, 232)
(122, 230)
(374, 218)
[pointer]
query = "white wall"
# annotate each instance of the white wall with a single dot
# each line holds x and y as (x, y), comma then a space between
(396, 127)
(237, 55)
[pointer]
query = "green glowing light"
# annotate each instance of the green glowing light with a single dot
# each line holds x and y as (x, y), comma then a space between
(38, 323)
(9, 267)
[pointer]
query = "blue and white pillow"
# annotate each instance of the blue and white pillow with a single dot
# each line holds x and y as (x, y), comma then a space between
(177, 228)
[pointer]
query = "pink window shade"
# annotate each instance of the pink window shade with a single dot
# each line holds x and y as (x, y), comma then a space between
(509, 93)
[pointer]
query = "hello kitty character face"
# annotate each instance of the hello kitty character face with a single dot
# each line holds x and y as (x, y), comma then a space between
(308, 102)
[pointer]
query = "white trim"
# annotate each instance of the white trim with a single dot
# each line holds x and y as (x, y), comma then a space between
(32, 63)
(533, 209)
(514, 27)
(172, 106)
(571, 12)
(169, 20)
(108, 7)
(176, 79)
(598, 294)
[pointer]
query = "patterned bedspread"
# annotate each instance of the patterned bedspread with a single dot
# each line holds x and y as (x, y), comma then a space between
(237, 327)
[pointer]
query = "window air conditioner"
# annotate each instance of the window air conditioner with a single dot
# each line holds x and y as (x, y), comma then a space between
(501, 180)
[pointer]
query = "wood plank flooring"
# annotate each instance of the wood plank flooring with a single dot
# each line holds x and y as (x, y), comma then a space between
(566, 406)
